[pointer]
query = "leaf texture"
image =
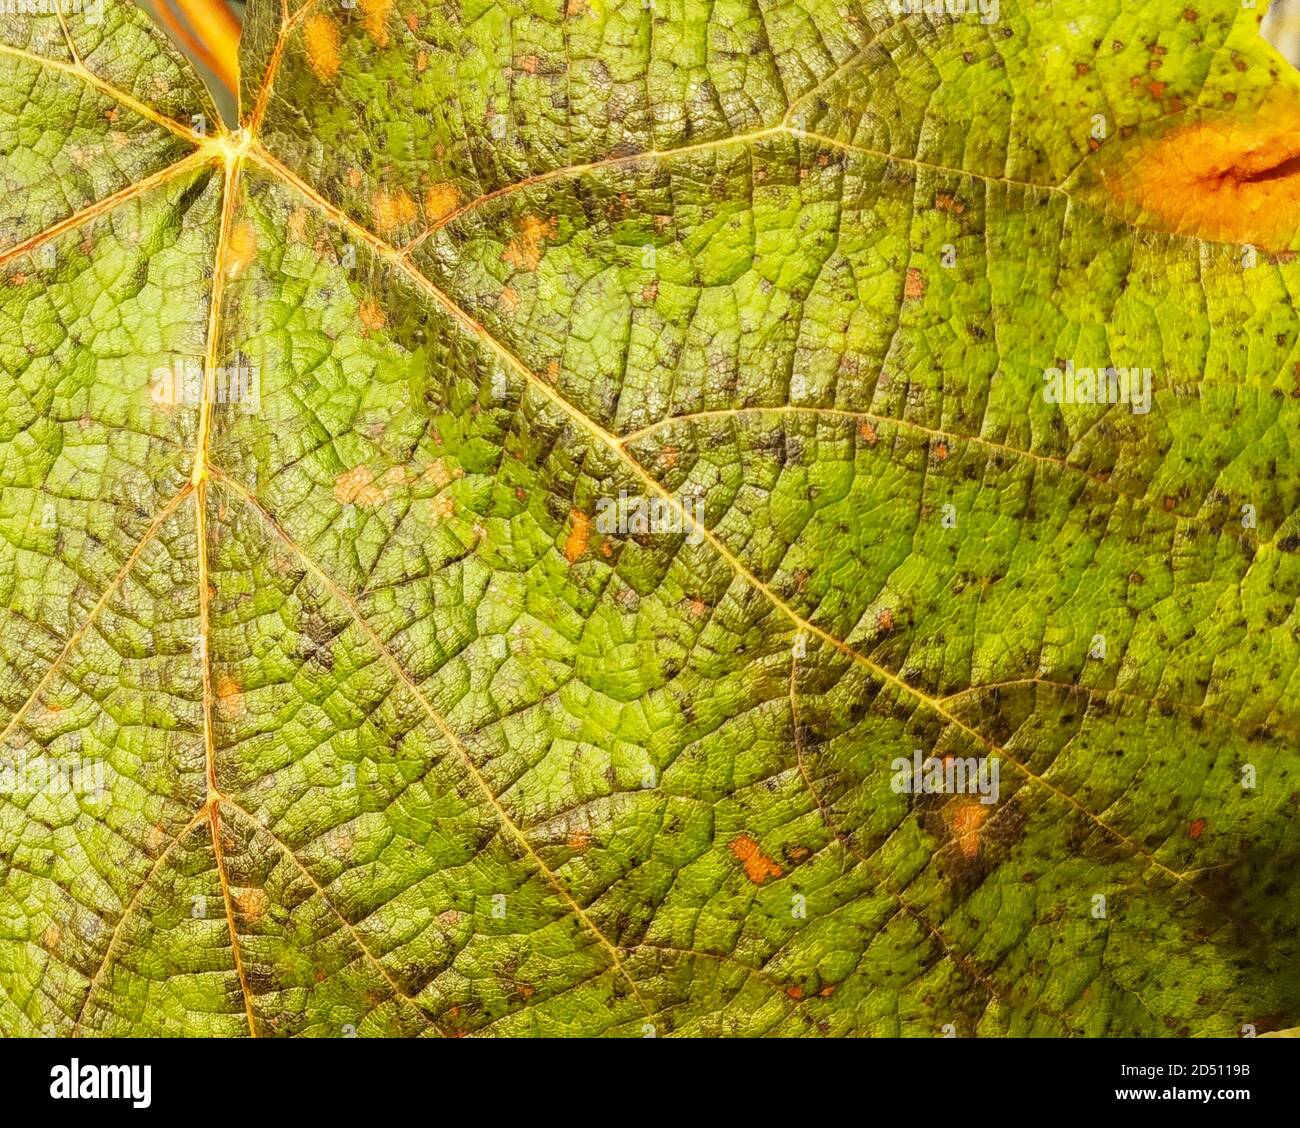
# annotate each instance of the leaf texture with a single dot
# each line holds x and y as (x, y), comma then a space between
(398, 737)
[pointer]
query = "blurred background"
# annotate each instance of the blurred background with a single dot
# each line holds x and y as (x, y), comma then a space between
(1282, 29)
(208, 32)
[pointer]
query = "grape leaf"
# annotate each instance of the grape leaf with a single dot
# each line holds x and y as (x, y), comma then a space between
(479, 540)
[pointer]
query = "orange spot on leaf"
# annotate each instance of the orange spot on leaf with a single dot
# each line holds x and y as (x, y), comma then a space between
(1235, 179)
(251, 903)
(374, 18)
(965, 817)
(230, 697)
(372, 315)
(321, 39)
(392, 209)
(758, 866)
(440, 200)
(524, 252)
(241, 249)
(575, 544)
(358, 487)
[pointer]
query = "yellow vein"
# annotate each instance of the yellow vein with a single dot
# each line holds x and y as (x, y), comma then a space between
(866, 859)
(229, 196)
(108, 203)
(943, 436)
(198, 817)
(1235, 720)
(71, 645)
(77, 70)
(67, 34)
(230, 190)
(613, 443)
(287, 26)
(838, 72)
(592, 166)
(214, 820)
(198, 476)
(785, 990)
(324, 896)
(439, 722)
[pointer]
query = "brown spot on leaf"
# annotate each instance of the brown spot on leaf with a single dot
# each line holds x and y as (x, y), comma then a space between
(914, 285)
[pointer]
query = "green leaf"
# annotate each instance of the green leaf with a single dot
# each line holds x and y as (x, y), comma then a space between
(343, 695)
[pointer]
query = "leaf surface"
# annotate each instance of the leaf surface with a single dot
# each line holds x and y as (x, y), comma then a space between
(400, 737)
